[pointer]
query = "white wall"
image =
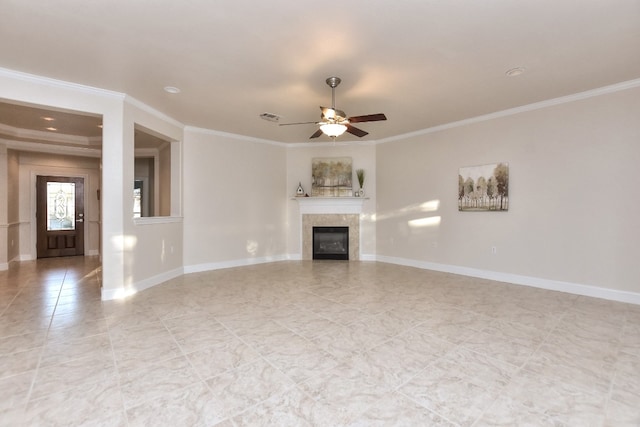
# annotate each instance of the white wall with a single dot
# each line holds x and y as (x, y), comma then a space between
(572, 217)
(573, 212)
(299, 158)
(234, 198)
(152, 247)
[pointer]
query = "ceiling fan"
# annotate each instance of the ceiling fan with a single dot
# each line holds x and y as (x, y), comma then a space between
(334, 122)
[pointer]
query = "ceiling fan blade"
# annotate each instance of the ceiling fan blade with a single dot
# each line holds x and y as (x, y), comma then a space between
(316, 134)
(355, 131)
(368, 118)
(298, 123)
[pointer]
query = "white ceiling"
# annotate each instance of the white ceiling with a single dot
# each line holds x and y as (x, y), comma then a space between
(422, 62)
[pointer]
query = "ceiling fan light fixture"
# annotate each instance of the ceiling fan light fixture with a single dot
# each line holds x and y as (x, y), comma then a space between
(333, 129)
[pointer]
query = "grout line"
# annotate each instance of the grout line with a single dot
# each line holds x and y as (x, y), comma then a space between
(44, 346)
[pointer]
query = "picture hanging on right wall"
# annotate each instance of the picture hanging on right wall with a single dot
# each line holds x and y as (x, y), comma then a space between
(484, 188)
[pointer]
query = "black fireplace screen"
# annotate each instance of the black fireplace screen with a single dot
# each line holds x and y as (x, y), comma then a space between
(331, 243)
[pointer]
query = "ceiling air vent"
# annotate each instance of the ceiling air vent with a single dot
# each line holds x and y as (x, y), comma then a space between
(270, 117)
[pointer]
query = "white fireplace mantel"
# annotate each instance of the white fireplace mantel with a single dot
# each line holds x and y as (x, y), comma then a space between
(330, 205)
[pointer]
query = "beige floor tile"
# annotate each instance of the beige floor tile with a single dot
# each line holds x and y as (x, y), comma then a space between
(17, 343)
(398, 360)
(190, 406)
(14, 390)
(246, 386)
(93, 403)
(311, 343)
(19, 362)
(533, 399)
(289, 409)
(154, 380)
(396, 409)
(74, 373)
(222, 357)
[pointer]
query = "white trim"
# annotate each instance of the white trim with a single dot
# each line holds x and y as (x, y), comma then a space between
(53, 137)
(522, 109)
(51, 148)
(122, 292)
(157, 220)
(234, 136)
(516, 279)
(333, 143)
(233, 263)
(4, 266)
(32, 78)
(330, 205)
(146, 108)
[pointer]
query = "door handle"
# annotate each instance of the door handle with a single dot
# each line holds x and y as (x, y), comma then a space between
(80, 220)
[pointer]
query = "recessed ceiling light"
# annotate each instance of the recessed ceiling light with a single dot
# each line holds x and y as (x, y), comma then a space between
(516, 71)
(49, 119)
(171, 89)
(52, 129)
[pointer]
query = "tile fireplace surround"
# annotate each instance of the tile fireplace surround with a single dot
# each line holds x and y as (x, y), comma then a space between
(330, 212)
(331, 220)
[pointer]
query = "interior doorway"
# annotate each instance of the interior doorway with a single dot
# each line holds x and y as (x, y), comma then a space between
(59, 216)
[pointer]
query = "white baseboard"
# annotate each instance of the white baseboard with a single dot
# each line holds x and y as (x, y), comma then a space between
(554, 285)
(92, 252)
(536, 282)
(233, 263)
(122, 292)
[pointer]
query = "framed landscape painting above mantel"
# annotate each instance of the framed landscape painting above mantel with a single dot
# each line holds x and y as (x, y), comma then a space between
(484, 188)
(331, 177)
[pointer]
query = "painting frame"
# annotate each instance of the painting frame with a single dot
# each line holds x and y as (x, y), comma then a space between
(484, 188)
(331, 177)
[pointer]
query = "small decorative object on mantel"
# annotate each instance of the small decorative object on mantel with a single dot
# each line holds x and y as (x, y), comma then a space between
(300, 190)
(360, 175)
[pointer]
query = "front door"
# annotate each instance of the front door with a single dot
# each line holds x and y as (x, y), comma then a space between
(60, 216)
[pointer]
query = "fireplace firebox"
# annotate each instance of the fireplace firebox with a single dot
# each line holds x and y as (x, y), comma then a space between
(331, 243)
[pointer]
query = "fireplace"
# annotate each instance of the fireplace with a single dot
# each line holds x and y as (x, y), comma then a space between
(331, 243)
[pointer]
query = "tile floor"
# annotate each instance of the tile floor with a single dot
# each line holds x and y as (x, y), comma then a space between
(311, 344)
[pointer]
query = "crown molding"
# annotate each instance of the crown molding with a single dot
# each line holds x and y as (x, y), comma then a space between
(32, 78)
(332, 143)
(156, 113)
(51, 137)
(204, 131)
(51, 148)
(605, 90)
(138, 104)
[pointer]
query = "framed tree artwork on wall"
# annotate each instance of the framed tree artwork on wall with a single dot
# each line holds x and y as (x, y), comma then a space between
(331, 177)
(484, 188)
